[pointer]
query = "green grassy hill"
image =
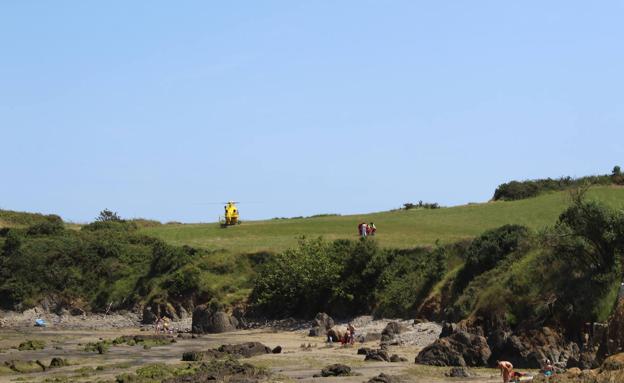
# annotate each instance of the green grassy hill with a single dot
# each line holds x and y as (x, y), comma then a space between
(9, 218)
(399, 229)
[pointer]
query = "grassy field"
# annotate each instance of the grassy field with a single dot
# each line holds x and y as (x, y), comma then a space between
(402, 229)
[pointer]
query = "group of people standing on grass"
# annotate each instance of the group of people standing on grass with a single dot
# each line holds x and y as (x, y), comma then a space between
(366, 229)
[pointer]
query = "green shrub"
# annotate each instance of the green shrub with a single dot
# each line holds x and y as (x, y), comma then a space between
(421, 205)
(30, 345)
(297, 282)
(487, 250)
(106, 265)
(100, 347)
(346, 278)
(50, 227)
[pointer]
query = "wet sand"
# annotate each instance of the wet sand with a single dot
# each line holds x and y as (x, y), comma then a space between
(294, 364)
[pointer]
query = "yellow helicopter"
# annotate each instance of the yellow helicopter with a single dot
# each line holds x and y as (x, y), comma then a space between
(231, 215)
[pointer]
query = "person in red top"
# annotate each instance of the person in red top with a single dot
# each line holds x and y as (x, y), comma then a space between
(372, 229)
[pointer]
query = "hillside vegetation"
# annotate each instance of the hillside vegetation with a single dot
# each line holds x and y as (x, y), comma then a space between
(551, 259)
(9, 218)
(564, 276)
(109, 265)
(397, 229)
(516, 190)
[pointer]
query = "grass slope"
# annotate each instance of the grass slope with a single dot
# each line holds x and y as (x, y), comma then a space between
(9, 218)
(401, 229)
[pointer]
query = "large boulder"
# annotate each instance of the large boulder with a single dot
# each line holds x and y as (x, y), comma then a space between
(206, 320)
(336, 370)
(383, 378)
(246, 350)
(396, 358)
(335, 334)
(377, 355)
(322, 322)
(531, 348)
(155, 310)
(239, 314)
(391, 330)
(459, 349)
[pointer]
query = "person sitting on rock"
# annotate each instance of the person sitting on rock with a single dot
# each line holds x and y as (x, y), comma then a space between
(548, 369)
(506, 370)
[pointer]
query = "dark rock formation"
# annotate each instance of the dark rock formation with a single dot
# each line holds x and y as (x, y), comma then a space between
(459, 349)
(377, 355)
(246, 350)
(391, 330)
(395, 358)
(205, 320)
(153, 311)
(322, 322)
(336, 370)
(531, 348)
(458, 372)
(383, 378)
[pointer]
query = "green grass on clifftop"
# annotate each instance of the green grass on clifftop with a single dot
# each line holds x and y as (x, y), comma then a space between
(399, 229)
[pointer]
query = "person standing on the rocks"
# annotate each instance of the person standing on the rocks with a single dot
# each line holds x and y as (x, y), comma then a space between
(506, 370)
(351, 332)
(158, 325)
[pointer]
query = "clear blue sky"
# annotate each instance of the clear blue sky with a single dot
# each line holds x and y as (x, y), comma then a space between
(155, 108)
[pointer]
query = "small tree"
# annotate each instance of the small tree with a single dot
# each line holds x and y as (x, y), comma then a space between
(616, 176)
(108, 216)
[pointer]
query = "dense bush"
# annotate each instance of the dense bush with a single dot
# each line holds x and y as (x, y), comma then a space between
(487, 250)
(345, 278)
(105, 265)
(421, 205)
(587, 248)
(408, 278)
(566, 277)
(516, 190)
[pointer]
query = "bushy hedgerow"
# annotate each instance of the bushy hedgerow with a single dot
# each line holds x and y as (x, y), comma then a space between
(516, 190)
